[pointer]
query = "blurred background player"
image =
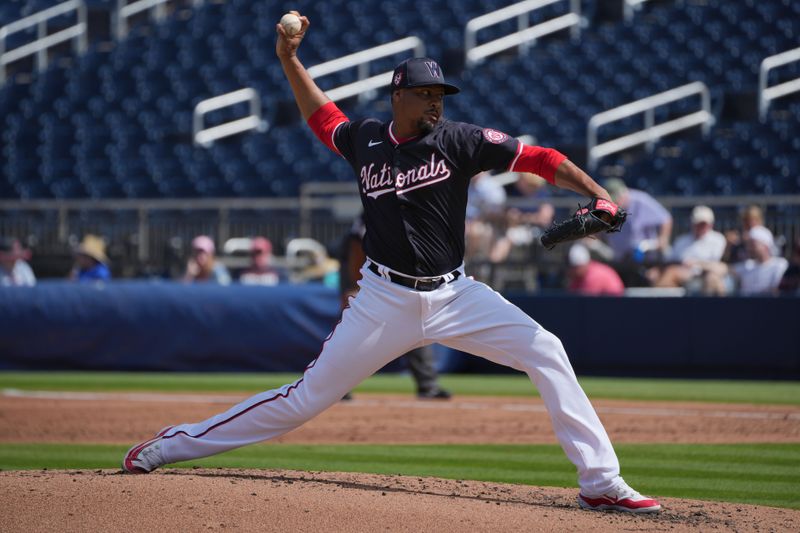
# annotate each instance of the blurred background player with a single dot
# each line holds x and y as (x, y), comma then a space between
(421, 361)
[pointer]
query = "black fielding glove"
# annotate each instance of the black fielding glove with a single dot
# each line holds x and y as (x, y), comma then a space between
(596, 216)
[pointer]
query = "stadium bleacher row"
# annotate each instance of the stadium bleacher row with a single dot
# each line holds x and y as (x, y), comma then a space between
(117, 121)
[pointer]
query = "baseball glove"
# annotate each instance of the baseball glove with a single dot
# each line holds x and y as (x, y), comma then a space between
(596, 216)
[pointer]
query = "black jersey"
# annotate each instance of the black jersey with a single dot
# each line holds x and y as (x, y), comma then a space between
(415, 193)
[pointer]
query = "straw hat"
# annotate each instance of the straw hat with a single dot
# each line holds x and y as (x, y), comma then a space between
(94, 247)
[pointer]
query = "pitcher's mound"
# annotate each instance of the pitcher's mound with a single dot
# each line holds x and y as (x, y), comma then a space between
(271, 500)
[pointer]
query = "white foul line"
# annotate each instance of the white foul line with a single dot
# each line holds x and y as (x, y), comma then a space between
(118, 396)
(405, 404)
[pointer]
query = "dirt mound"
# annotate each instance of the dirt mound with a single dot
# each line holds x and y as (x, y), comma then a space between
(269, 500)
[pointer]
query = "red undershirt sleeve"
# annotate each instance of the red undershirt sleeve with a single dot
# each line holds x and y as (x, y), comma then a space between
(324, 121)
(538, 160)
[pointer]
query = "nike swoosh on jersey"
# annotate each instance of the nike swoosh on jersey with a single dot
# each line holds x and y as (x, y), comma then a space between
(374, 143)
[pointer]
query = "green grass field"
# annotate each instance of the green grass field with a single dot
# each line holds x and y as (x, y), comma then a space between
(766, 474)
(638, 389)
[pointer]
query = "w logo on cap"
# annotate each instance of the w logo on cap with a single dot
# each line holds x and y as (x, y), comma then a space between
(434, 69)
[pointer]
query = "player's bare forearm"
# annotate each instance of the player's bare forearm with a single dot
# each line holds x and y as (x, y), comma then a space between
(569, 176)
(307, 94)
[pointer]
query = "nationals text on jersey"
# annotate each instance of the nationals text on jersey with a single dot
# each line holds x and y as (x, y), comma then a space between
(375, 184)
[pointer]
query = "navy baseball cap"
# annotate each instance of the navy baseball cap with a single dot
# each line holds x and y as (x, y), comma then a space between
(418, 72)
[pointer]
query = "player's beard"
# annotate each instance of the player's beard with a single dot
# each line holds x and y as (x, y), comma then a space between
(425, 125)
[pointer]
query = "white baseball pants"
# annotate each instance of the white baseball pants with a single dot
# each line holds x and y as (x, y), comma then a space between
(384, 321)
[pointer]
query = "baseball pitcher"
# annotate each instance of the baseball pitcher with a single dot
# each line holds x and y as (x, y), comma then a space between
(413, 174)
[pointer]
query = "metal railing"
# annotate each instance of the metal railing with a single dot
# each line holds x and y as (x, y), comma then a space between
(767, 94)
(526, 33)
(651, 131)
(362, 60)
(324, 212)
(630, 7)
(152, 223)
(125, 11)
(206, 136)
(77, 33)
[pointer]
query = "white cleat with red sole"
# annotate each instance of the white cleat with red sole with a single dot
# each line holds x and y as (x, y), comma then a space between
(146, 456)
(622, 498)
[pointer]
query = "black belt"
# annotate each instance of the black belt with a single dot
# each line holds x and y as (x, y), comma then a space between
(425, 285)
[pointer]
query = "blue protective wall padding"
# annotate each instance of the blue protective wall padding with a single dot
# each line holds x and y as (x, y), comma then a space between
(130, 325)
(164, 326)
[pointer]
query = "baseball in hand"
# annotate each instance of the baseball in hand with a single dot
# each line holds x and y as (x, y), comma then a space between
(291, 23)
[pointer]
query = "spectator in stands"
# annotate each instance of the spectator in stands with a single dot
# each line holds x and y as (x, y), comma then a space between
(760, 274)
(261, 270)
(647, 232)
(790, 282)
(203, 266)
(486, 200)
(588, 277)
(691, 251)
(91, 261)
(523, 226)
(736, 251)
(14, 268)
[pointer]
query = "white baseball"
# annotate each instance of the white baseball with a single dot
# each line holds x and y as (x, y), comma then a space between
(291, 23)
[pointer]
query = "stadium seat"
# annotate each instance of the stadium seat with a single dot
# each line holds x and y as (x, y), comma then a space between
(118, 122)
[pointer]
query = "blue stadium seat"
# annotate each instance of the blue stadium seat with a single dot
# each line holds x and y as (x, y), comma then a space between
(118, 123)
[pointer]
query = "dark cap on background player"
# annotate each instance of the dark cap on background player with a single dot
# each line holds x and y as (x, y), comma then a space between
(420, 72)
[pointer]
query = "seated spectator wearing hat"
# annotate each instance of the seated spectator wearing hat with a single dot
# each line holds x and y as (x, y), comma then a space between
(691, 251)
(589, 277)
(91, 262)
(760, 274)
(261, 270)
(14, 269)
(202, 266)
(523, 224)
